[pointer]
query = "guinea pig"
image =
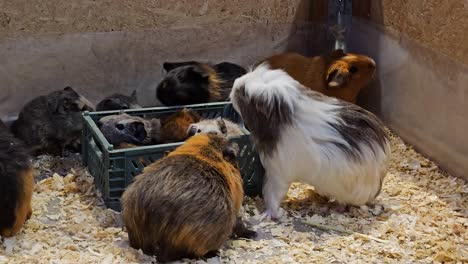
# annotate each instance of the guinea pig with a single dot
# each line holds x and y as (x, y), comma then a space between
(302, 135)
(119, 102)
(218, 126)
(174, 128)
(50, 123)
(194, 82)
(16, 184)
(186, 204)
(124, 130)
(337, 74)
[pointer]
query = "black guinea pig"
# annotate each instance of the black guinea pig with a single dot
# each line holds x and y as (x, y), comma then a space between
(50, 123)
(119, 102)
(193, 82)
(16, 184)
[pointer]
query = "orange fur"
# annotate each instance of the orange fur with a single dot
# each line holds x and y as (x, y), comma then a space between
(193, 147)
(24, 210)
(215, 83)
(174, 128)
(313, 72)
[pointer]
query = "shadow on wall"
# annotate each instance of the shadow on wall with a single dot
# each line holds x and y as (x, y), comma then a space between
(421, 94)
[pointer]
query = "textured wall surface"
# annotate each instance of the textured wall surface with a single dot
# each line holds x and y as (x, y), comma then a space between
(421, 87)
(437, 24)
(30, 17)
(102, 47)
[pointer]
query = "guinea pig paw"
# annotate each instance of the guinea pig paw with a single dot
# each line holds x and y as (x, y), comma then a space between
(273, 215)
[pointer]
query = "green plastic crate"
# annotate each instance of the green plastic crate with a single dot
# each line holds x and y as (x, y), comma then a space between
(113, 169)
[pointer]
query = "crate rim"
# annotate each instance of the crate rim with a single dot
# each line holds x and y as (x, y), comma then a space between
(109, 148)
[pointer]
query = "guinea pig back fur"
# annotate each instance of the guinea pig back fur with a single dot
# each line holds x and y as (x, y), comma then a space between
(174, 128)
(119, 102)
(193, 82)
(16, 184)
(302, 135)
(185, 205)
(337, 74)
(50, 123)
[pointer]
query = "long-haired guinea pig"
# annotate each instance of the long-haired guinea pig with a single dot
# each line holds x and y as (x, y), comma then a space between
(337, 74)
(119, 102)
(194, 82)
(52, 122)
(16, 184)
(174, 128)
(219, 126)
(186, 204)
(302, 135)
(124, 130)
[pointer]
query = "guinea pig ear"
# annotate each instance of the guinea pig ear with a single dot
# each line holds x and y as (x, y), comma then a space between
(68, 88)
(133, 96)
(222, 125)
(336, 78)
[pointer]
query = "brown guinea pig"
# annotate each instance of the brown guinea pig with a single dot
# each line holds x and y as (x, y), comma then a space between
(186, 204)
(174, 128)
(16, 184)
(337, 74)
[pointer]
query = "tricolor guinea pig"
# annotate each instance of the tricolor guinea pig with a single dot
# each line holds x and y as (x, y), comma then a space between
(16, 184)
(124, 130)
(50, 123)
(174, 128)
(194, 82)
(302, 135)
(186, 204)
(218, 126)
(119, 102)
(337, 74)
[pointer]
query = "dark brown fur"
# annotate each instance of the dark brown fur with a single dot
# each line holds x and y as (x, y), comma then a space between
(330, 74)
(174, 128)
(186, 204)
(16, 185)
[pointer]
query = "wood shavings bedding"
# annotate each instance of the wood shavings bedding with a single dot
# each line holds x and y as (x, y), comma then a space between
(420, 217)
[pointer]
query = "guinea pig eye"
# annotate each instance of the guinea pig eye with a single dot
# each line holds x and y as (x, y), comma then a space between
(353, 69)
(119, 126)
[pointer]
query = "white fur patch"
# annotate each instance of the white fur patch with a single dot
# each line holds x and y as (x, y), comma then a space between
(306, 151)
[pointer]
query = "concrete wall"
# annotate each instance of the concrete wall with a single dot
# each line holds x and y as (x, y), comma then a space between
(102, 47)
(421, 89)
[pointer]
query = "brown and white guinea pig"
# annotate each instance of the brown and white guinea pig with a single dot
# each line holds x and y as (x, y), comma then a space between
(119, 102)
(219, 126)
(302, 135)
(174, 128)
(16, 184)
(124, 130)
(186, 204)
(337, 74)
(50, 123)
(194, 82)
